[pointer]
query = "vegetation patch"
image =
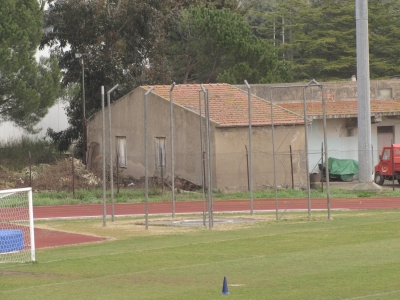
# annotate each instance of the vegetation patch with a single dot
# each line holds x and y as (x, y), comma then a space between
(355, 255)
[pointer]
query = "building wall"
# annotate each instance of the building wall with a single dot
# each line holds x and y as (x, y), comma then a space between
(231, 160)
(56, 119)
(343, 139)
(229, 168)
(341, 90)
(127, 116)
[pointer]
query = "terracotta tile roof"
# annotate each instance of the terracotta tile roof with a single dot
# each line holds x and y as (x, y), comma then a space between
(336, 109)
(228, 105)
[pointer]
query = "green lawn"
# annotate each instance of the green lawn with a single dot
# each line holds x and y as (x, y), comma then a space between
(354, 256)
(156, 195)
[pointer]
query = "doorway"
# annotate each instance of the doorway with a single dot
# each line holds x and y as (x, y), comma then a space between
(385, 137)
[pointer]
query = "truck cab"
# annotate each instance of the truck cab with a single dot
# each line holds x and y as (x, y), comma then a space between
(388, 167)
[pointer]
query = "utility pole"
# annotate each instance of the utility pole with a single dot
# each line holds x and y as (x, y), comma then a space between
(363, 93)
(84, 131)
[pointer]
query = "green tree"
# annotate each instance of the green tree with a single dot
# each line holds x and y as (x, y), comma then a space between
(238, 6)
(27, 88)
(384, 28)
(210, 45)
(262, 19)
(320, 36)
(123, 42)
(326, 47)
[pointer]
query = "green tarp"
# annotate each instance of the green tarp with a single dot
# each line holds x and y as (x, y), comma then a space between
(342, 168)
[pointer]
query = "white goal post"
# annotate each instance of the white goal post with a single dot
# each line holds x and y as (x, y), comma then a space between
(17, 239)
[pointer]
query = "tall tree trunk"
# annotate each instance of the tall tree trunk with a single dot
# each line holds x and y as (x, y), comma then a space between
(213, 68)
(187, 70)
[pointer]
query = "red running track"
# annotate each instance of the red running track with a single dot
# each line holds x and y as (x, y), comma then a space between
(49, 238)
(161, 208)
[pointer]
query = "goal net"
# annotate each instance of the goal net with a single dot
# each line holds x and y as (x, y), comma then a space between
(17, 242)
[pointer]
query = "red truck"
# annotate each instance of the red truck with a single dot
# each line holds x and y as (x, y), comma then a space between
(387, 163)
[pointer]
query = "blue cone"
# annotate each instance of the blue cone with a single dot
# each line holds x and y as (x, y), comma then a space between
(225, 287)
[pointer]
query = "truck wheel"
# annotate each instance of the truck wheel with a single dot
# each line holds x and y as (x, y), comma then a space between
(379, 178)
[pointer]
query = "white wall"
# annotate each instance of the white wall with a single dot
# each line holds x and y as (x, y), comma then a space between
(340, 144)
(55, 119)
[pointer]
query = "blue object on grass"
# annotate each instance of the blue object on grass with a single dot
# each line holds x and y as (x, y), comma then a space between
(11, 240)
(225, 287)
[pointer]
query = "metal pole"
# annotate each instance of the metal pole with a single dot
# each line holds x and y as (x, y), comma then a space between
(103, 146)
(111, 151)
(328, 196)
(84, 112)
(202, 162)
(171, 122)
(250, 148)
(273, 154)
(322, 167)
(210, 196)
(363, 92)
(162, 172)
(209, 184)
(83, 89)
(146, 180)
(117, 166)
(31, 225)
(247, 164)
(291, 165)
(306, 148)
(393, 172)
(372, 159)
(204, 170)
(30, 169)
(73, 173)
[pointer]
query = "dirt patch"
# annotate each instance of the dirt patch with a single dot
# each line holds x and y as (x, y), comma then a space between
(125, 227)
(193, 222)
(45, 238)
(17, 273)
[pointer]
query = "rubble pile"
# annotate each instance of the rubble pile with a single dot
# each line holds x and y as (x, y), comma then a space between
(62, 176)
(56, 177)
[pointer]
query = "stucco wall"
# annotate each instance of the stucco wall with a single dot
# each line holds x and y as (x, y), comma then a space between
(232, 162)
(227, 145)
(343, 141)
(55, 119)
(128, 120)
(342, 90)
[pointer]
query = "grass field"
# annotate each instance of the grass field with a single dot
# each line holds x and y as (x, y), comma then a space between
(354, 256)
(155, 195)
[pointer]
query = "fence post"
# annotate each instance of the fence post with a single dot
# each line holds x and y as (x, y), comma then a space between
(117, 165)
(103, 146)
(162, 174)
(30, 169)
(291, 165)
(250, 159)
(146, 158)
(73, 174)
(203, 171)
(247, 161)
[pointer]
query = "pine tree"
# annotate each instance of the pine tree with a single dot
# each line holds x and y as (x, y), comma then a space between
(27, 88)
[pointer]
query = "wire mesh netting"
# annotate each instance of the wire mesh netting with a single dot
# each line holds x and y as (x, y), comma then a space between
(16, 226)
